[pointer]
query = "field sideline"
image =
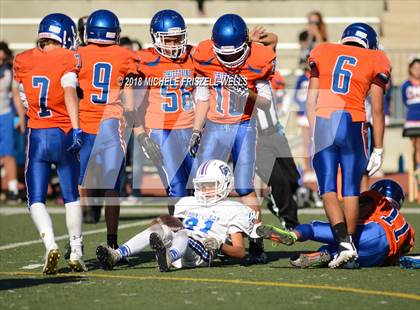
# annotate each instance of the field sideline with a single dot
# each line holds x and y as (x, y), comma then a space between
(140, 286)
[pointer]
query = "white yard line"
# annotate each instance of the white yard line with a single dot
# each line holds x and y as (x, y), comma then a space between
(63, 237)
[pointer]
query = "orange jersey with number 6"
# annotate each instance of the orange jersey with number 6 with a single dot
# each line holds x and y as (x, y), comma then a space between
(169, 99)
(345, 75)
(226, 107)
(101, 80)
(40, 74)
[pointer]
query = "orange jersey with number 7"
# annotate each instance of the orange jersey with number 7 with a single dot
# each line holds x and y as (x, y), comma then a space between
(101, 80)
(170, 84)
(40, 74)
(345, 75)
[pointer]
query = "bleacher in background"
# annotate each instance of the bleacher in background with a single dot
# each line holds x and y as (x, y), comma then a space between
(396, 20)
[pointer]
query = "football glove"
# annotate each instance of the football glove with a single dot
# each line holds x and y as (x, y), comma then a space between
(77, 141)
(150, 148)
(194, 142)
(375, 161)
(237, 84)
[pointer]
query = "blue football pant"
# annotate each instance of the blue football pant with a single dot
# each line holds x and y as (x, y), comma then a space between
(371, 241)
(177, 162)
(238, 140)
(340, 142)
(46, 147)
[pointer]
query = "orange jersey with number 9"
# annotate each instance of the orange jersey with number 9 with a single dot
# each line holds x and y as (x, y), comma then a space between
(40, 74)
(101, 80)
(226, 107)
(169, 100)
(345, 75)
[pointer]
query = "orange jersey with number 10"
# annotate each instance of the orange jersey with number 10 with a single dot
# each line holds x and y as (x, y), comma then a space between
(169, 101)
(40, 74)
(226, 107)
(345, 75)
(101, 79)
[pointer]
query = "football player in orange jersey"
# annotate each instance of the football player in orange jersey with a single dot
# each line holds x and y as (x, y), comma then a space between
(341, 76)
(383, 234)
(105, 66)
(47, 78)
(238, 72)
(169, 106)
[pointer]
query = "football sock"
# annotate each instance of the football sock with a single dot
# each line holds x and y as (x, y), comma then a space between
(74, 225)
(43, 223)
(13, 186)
(306, 232)
(179, 245)
(340, 231)
(138, 243)
(112, 240)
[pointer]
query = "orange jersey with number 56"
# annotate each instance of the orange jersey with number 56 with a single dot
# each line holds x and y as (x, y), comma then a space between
(101, 80)
(40, 74)
(226, 107)
(169, 98)
(345, 75)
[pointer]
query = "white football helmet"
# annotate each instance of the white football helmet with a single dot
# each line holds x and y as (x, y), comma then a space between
(213, 182)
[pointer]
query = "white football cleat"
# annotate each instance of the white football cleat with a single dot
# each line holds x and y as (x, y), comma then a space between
(107, 256)
(51, 260)
(76, 262)
(347, 252)
(163, 257)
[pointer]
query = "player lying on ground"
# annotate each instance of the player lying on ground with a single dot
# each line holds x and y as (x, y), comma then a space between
(47, 80)
(383, 234)
(208, 219)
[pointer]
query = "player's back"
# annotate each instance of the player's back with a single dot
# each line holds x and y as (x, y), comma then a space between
(227, 107)
(170, 102)
(217, 220)
(345, 76)
(40, 74)
(101, 79)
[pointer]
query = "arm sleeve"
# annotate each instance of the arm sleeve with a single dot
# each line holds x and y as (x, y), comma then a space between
(264, 89)
(313, 60)
(243, 221)
(16, 70)
(22, 94)
(382, 71)
(202, 92)
(69, 79)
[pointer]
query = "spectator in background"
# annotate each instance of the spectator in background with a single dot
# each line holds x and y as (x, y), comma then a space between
(410, 90)
(126, 42)
(315, 33)
(7, 123)
(200, 6)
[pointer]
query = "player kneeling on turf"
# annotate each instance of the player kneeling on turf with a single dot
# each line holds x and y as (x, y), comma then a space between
(208, 219)
(383, 234)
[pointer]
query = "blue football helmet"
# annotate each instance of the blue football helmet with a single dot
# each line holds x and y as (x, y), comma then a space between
(362, 34)
(60, 28)
(391, 190)
(102, 27)
(230, 40)
(169, 24)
